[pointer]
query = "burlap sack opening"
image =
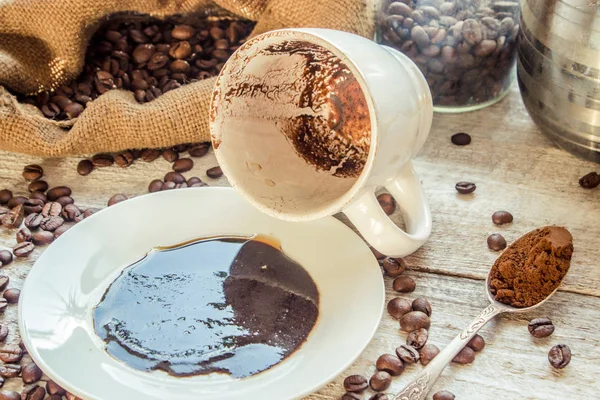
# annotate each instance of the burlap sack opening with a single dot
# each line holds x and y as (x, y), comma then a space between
(42, 45)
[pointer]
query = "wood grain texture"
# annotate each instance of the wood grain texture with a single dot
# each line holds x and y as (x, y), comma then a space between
(515, 169)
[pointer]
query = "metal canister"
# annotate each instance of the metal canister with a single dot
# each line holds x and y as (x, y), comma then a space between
(558, 70)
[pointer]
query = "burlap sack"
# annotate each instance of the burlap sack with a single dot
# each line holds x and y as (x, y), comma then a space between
(43, 43)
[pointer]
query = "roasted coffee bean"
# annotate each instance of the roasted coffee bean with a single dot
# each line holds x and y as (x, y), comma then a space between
(390, 364)
(23, 249)
(6, 257)
(199, 150)
(155, 186)
(421, 304)
(42, 238)
(414, 320)
(150, 155)
(588, 181)
(355, 383)
(72, 110)
(117, 198)
(465, 356)
(125, 159)
(11, 353)
(181, 185)
(33, 172)
(496, 242)
(33, 206)
(51, 209)
(346, 396)
(387, 203)
(379, 396)
(404, 284)
(34, 392)
(54, 388)
(180, 50)
(10, 371)
(443, 395)
(465, 187)
(559, 356)
(3, 304)
(502, 217)
(70, 212)
(23, 235)
(394, 267)
(168, 185)
(15, 201)
(461, 139)
(22, 346)
(170, 155)
(541, 327)
(418, 338)
(65, 200)
(194, 181)
(85, 167)
(183, 165)
(37, 186)
(398, 306)
(51, 223)
(3, 332)
(427, 353)
(380, 381)
(31, 373)
(38, 195)
(59, 191)
(477, 343)
(182, 32)
(62, 229)
(5, 196)
(174, 177)
(4, 282)
(408, 354)
(214, 172)
(14, 217)
(103, 160)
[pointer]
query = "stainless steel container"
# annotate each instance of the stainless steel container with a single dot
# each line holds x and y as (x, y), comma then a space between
(558, 70)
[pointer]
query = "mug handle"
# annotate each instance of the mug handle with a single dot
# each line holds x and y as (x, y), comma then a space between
(379, 230)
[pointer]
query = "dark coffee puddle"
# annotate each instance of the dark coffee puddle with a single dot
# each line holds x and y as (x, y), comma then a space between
(227, 304)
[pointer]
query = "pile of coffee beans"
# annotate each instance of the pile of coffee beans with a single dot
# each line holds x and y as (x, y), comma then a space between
(148, 57)
(590, 180)
(465, 50)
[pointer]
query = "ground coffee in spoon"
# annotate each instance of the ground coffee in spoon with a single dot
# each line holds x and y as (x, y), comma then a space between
(532, 267)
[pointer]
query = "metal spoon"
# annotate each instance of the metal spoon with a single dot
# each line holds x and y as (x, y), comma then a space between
(418, 388)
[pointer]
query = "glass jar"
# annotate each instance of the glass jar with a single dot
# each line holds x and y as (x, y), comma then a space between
(465, 48)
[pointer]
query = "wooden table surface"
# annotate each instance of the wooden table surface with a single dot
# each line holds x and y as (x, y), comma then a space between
(515, 169)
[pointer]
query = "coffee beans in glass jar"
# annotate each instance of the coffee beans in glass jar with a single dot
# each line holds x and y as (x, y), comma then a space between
(465, 48)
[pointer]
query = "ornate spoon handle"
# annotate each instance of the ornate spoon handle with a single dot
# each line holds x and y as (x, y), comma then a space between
(424, 381)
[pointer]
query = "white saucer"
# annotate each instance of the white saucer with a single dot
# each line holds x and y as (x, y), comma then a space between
(70, 277)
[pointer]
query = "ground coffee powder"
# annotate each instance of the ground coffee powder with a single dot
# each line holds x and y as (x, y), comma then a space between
(532, 267)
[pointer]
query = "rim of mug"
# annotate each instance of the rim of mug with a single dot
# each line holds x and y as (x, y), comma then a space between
(312, 35)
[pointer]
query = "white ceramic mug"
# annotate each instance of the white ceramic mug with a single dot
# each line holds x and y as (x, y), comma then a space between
(264, 85)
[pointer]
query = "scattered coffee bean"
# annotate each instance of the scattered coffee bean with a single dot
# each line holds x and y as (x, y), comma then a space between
(125, 159)
(14, 217)
(23, 235)
(168, 185)
(183, 165)
(559, 356)
(16, 201)
(51, 223)
(380, 381)
(42, 238)
(465, 187)
(390, 364)
(170, 155)
(38, 195)
(3, 332)
(590, 181)
(11, 353)
(443, 395)
(117, 198)
(31, 373)
(502, 217)
(22, 346)
(6, 257)
(379, 396)
(37, 186)
(346, 396)
(427, 353)
(34, 392)
(23, 249)
(51, 209)
(61, 229)
(12, 297)
(496, 242)
(398, 306)
(394, 267)
(102, 160)
(85, 167)
(477, 343)
(194, 181)
(33, 172)
(214, 172)
(5, 196)
(387, 203)
(421, 304)
(155, 186)
(56, 192)
(404, 284)
(10, 371)
(541, 327)
(54, 388)
(33, 206)
(150, 155)
(408, 354)
(3, 304)
(461, 139)
(33, 220)
(418, 338)
(414, 320)
(355, 383)
(174, 177)
(465, 356)
(4, 282)
(199, 150)
(65, 200)
(70, 212)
